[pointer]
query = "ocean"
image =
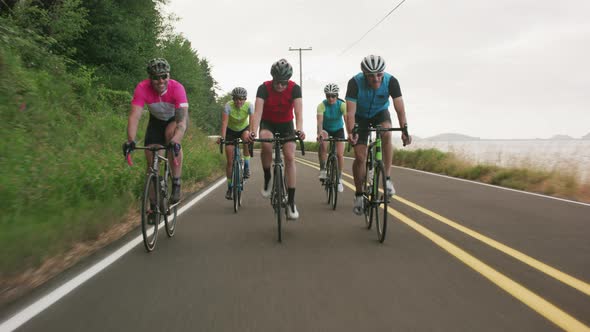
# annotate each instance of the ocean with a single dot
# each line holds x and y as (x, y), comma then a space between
(567, 156)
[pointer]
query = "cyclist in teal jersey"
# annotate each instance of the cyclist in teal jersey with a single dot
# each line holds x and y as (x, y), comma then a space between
(234, 123)
(367, 102)
(331, 115)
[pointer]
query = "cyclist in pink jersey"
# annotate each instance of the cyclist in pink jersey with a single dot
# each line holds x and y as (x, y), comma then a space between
(167, 104)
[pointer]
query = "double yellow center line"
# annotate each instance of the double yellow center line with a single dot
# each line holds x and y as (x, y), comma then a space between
(534, 301)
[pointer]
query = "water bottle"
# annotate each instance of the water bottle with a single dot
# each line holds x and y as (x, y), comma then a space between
(162, 185)
(370, 177)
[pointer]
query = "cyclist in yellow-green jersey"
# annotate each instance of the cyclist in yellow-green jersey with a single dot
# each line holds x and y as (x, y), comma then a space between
(234, 121)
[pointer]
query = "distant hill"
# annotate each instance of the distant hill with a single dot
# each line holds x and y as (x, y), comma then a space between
(561, 138)
(452, 137)
(586, 137)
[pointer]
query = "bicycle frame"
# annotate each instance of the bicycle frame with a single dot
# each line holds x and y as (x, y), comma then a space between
(155, 168)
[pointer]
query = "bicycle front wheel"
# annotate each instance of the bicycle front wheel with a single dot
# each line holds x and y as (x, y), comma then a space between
(367, 211)
(326, 183)
(277, 203)
(381, 201)
(150, 214)
(171, 210)
(334, 180)
(236, 184)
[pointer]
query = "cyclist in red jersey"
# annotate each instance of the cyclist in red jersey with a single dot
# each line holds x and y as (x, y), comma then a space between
(277, 102)
(167, 104)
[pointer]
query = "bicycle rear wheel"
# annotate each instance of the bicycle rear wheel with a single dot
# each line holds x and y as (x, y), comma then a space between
(236, 184)
(278, 199)
(334, 180)
(171, 212)
(381, 201)
(150, 215)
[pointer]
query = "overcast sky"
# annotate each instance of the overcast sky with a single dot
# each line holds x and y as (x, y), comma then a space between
(489, 69)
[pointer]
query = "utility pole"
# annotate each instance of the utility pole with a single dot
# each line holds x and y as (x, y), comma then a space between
(300, 65)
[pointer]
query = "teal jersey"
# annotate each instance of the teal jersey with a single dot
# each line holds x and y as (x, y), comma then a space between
(333, 114)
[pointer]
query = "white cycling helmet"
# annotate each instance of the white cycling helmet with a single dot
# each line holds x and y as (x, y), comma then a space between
(373, 64)
(331, 88)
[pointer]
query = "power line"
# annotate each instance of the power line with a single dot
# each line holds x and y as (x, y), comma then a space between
(366, 33)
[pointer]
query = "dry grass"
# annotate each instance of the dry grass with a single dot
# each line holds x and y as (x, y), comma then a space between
(553, 183)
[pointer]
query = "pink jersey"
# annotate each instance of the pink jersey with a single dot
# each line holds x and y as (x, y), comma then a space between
(160, 106)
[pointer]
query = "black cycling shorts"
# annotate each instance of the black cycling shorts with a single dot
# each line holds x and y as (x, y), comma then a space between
(231, 135)
(156, 131)
(339, 133)
(285, 129)
(363, 123)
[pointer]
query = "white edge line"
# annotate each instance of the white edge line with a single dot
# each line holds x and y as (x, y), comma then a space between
(483, 184)
(43, 303)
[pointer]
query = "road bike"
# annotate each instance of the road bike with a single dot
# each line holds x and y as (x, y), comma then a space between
(374, 185)
(237, 171)
(156, 200)
(330, 183)
(278, 196)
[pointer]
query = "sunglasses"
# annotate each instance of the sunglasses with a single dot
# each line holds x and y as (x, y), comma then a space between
(375, 75)
(331, 96)
(240, 98)
(283, 83)
(159, 77)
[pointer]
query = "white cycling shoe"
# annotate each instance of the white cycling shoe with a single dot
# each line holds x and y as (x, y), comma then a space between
(390, 188)
(292, 214)
(358, 205)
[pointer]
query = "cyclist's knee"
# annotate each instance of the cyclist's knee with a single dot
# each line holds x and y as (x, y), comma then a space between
(265, 133)
(289, 156)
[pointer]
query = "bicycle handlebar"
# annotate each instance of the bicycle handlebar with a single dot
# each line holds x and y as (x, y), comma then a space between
(333, 139)
(283, 140)
(154, 149)
(235, 141)
(380, 129)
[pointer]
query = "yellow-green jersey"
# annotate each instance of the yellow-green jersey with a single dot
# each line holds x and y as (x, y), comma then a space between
(238, 117)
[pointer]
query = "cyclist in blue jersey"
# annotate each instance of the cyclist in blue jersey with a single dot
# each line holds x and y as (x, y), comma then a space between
(331, 115)
(367, 103)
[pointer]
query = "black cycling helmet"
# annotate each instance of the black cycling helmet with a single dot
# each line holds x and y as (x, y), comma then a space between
(239, 92)
(373, 64)
(281, 70)
(158, 66)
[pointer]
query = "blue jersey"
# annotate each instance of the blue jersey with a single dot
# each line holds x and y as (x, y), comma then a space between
(370, 102)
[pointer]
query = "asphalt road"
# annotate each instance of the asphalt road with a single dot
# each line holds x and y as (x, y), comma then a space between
(458, 256)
